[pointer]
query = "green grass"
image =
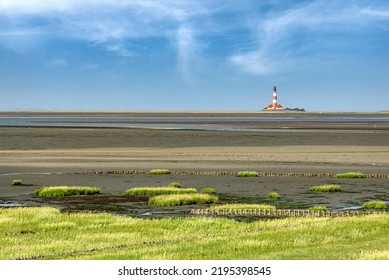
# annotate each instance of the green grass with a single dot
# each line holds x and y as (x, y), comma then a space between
(208, 190)
(318, 208)
(45, 231)
(174, 185)
(66, 191)
(274, 195)
(159, 172)
(182, 199)
(16, 182)
(351, 175)
(375, 204)
(247, 174)
(326, 188)
(243, 207)
(158, 191)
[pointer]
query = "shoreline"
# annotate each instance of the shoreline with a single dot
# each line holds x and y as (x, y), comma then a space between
(193, 111)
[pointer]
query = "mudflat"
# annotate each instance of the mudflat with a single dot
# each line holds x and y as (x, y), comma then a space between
(56, 156)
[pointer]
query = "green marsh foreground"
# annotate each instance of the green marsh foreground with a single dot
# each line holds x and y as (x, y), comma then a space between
(46, 233)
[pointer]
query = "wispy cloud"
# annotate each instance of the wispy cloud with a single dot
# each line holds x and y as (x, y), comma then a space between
(110, 25)
(189, 26)
(60, 62)
(277, 31)
(186, 45)
(375, 13)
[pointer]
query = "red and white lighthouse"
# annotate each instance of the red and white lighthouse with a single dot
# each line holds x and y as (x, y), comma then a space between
(274, 105)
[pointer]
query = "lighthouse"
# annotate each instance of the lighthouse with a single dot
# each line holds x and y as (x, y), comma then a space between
(274, 105)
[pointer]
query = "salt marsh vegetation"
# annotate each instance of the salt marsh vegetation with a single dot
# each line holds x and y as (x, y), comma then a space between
(243, 207)
(247, 174)
(208, 190)
(326, 188)
(274, 195)
(16, 182)
(182, 199)
(46, 233)
(351, 175)
(158, 191)
(159, 172)
(317, 208)
(66, 191)
(375, 204)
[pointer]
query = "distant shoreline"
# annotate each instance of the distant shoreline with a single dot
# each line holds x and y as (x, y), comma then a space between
(2, 112)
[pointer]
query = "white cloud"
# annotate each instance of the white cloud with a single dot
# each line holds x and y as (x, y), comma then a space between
(376, 13)
(276, 30)
(119, 49)
(253, 63)
(185, 42)
(114, 25)
(110, 24)
(58, 62)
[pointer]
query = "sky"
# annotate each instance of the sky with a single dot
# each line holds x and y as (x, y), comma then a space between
(323, 55)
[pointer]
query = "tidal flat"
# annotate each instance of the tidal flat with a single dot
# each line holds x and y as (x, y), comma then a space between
(116, 159)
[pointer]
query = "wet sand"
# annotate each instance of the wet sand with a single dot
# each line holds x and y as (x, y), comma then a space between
(35, 155)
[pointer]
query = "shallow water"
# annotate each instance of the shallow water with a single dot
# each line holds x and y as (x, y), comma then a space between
(192, 122)
(12, 204)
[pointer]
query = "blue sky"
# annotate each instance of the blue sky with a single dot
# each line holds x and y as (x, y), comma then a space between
(324, 55)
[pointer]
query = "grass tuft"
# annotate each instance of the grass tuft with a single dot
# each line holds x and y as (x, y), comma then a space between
(66, 191)
(16, 182)
(351, 175)
(174, 185)
(158, 191)
(182, 199)
(326, 188)
(375, 204)
(317, 208)
(247, 174)
(159, 172)
(208, 190)
(243, 207)
(274, 195)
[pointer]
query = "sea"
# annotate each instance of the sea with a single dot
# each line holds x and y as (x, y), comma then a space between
(197, 121)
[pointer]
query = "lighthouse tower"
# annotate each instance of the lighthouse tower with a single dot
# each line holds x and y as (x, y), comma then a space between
(274, 105)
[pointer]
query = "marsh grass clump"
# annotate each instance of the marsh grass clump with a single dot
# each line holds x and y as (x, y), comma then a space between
(375, 204)
(317, 208)
(247, 174)
(274, 195)
(351, 175)
(174, 185)
(326, 188)
(16, 182)
(182, 199)
(208, 190)
(159, 172)
(66, 191)
(158, 191)
(243, 207)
